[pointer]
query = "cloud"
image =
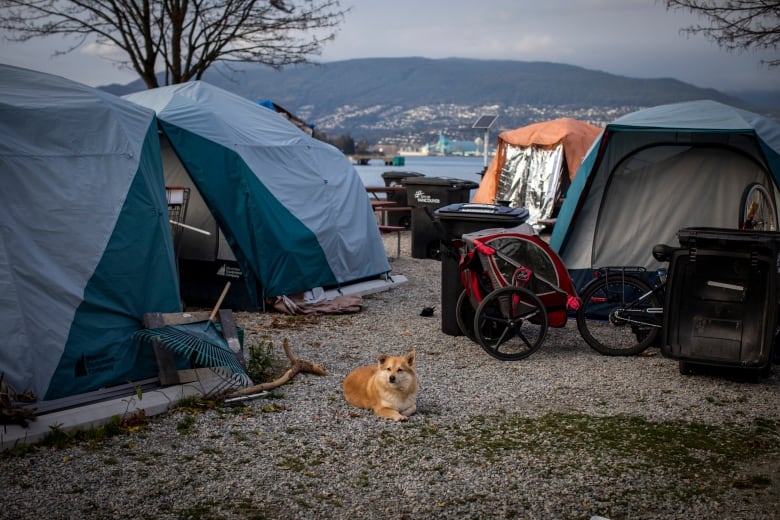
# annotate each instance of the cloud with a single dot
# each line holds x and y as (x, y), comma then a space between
(637, 38)
(103, 50)
(525, 48)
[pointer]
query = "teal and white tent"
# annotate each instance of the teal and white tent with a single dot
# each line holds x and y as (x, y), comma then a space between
(658, 170)
(85, 243)
(292, 209)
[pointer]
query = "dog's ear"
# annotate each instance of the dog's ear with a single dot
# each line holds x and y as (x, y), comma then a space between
(382, 358)
(410, 357)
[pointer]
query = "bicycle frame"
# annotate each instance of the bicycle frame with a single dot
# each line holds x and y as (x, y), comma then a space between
(634, 312)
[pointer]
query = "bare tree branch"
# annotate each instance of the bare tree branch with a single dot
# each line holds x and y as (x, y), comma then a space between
(736, 25)
(181, 38)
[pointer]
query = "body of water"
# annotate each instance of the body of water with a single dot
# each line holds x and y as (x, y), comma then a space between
(466, 168)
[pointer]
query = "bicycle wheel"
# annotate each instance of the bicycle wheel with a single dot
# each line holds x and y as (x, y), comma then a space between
(464, 314)
(757, 209)
(510, 323)
(610, 317)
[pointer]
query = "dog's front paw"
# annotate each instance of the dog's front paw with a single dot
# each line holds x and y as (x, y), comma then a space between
(389, 413)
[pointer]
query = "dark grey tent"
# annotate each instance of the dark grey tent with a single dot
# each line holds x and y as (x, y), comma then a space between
(656, 171)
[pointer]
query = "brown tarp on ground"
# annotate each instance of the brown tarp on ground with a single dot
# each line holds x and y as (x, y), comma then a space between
(575, 136)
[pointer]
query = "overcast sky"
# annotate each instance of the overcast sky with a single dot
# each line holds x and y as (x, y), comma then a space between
(636, 38)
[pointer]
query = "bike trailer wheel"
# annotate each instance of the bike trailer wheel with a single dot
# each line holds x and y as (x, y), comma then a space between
(510, 323)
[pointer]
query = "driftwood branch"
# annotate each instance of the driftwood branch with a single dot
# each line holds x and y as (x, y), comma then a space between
(296, 365)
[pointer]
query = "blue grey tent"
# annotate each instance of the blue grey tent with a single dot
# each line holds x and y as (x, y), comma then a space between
(656, 171)
(85, 242)
(293, 210)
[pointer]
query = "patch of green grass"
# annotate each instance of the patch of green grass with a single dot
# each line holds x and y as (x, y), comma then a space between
(239, 436)
(185, 424)
(203, 510)
(250, 511)
(189, 403)
(753, 482)
(261, 361)
(688, 460)
(673, 441)
(19, 450)
(295, 321)
(682, 451)
(58, 438)
(294, 463)
(273, 408)
(719, 401)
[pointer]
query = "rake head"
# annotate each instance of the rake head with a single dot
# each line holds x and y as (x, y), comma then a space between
(202, 345)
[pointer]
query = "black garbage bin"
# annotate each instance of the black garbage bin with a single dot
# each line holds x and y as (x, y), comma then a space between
(721, 299)
(399, 218)
(456, 220)
(425, 195)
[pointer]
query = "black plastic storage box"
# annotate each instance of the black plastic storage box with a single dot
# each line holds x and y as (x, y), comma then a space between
(721, 299)
(425, 195)
(456, 220)
(399, 218)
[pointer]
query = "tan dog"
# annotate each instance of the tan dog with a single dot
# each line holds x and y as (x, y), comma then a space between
(389, 388)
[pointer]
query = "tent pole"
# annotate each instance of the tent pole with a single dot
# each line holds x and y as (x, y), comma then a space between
(487, 132)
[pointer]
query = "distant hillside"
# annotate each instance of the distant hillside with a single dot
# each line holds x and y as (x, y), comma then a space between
(763, 100)
(412, 99)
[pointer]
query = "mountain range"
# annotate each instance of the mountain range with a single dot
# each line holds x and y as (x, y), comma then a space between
(409, 101)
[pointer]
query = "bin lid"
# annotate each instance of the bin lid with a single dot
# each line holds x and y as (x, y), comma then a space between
(468, 210)
(401, 175)
(728, 239)
(441, 181)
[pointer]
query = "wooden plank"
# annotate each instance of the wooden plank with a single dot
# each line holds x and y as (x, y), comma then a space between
(377, 204)
(385, 189)
(155, 320)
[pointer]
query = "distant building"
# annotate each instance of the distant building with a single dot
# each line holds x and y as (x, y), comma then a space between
(420, 151)
(445, 146)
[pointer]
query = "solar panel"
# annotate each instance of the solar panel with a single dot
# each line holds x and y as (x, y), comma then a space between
(485, 121)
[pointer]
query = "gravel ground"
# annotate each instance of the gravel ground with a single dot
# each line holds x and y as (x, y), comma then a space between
(566, 433)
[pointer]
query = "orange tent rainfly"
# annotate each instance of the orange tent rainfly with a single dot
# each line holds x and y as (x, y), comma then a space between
(530, 162)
